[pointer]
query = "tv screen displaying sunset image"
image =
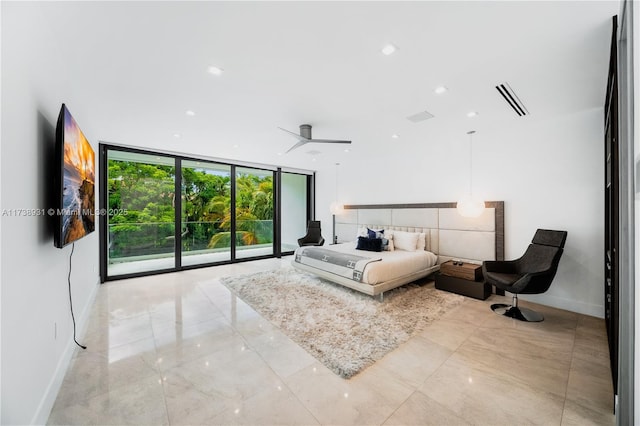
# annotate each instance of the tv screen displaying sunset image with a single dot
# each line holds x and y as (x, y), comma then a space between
(77, 217)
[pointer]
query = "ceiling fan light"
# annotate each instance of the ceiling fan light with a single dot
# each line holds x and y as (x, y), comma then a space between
(470, 206)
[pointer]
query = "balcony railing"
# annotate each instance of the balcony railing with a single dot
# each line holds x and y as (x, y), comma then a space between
(129, 241)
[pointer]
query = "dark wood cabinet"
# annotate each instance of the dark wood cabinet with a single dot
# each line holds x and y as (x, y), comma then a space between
(465, 279)
(611, 209)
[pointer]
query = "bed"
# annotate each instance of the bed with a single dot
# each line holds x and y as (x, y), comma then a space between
(443, 235)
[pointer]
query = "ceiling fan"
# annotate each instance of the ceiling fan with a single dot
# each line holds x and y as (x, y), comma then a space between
(305, 137)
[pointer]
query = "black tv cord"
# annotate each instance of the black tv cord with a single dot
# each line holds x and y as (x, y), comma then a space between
(73, 318)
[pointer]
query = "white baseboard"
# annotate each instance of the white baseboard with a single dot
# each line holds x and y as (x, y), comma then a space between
(46, 404)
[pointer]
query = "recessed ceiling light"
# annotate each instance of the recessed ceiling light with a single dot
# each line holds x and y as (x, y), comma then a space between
(214, 70)
(389, 49)
(471, 114)
(395, 136)
(177, 135)
(440, 90)
(190, 113)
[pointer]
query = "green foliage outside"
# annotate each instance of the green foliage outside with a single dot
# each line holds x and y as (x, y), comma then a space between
(147, 193)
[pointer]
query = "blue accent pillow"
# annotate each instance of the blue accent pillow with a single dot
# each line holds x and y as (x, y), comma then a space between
(375, 234)
(369, 244)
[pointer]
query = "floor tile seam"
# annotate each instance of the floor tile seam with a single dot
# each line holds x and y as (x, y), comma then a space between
(519, 354)
(164, 400)
(466, 338)
(588, 407)
(152, 369)
(506, 376)
(257, 352)
(444, 361)
(566, 388)
(206, 395)
(199, 286)
(280, 377)
(444, 407)
(228, 409)
(110, 387)
(400, 406)
(528, 331)
(86, 397)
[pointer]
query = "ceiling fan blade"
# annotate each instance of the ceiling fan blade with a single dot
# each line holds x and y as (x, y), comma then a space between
(328, 141)
(298, 145)
(295, 135)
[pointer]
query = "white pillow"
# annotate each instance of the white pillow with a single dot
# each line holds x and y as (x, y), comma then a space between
(407, 241)
(422, 244)
(362, 232)
(390, 246)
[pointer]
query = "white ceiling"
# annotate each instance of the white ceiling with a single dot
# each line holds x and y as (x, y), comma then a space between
(142, 65)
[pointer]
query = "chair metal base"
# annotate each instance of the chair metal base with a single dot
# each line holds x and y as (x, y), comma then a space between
(516, 312)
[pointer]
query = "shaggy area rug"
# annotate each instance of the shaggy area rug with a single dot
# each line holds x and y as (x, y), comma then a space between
(344, 329)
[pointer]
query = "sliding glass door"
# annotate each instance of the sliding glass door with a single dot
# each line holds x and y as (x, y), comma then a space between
(206, 212)
(141, 213)
(253, 212)
(168, 213)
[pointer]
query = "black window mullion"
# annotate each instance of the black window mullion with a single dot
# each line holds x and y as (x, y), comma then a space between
(233, 213)
(104, 240)
(178, 213)
(277, 216)
(311, 196)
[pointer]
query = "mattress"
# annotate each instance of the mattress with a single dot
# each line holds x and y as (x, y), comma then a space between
(394, 264)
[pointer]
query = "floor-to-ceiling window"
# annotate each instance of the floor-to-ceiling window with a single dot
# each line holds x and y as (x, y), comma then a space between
(295, 209)
(168, 212)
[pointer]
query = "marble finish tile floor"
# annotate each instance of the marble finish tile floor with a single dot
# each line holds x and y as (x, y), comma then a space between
(180, 349)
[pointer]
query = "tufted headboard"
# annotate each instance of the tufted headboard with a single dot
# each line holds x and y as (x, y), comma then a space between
(448, 234)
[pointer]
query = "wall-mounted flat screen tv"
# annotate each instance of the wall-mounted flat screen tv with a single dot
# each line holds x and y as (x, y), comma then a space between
(74, 182)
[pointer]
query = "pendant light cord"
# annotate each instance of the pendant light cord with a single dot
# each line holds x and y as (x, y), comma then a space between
(470, 133)
(337, 164)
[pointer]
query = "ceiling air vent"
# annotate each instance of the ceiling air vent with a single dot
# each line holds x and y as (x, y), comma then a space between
(421, 116)
(507, 93)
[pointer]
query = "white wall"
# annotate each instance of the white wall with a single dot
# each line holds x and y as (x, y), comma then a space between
(34, 295)
(548, 170)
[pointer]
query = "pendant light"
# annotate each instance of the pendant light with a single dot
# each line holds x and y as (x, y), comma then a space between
(469, 205)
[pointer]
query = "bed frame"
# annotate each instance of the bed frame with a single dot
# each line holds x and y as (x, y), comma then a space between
(448, 235)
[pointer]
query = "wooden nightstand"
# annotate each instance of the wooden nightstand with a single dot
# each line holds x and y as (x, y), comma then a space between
(465, 279)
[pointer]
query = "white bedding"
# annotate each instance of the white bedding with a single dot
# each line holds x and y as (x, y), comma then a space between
(394, 264)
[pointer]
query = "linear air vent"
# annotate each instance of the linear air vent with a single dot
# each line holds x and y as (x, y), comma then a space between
(514, 102)
(421, 116)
